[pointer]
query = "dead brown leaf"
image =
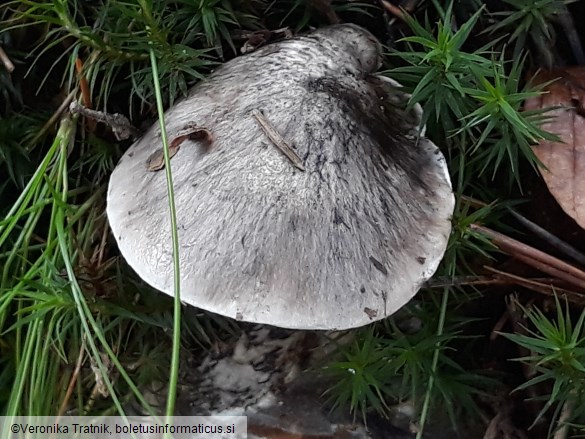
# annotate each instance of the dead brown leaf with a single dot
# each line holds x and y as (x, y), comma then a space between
(156, 161)
(565, 162)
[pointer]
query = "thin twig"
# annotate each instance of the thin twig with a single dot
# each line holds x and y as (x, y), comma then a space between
(557, 243)
(8, 65)
(103, 244)
(499, 326)
(566, 20)
(277, 140)
(532, 256)
(85, 94)
(552, 270)
(83, 84)
(73, 380)
(474, 202)
(53, 119)
(393, 9)
(543, 234)
(399, 11)
(565, 417)
(459, 281)
(326, 8)
(537, 285)
(119, 124)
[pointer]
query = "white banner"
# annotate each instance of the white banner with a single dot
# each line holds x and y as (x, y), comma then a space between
(117, 427)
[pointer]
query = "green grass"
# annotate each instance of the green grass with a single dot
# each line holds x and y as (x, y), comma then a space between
(557, 354)
(389, 363)
(66, 296)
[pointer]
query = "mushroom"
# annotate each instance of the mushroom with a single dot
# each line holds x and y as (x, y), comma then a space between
(307, 196)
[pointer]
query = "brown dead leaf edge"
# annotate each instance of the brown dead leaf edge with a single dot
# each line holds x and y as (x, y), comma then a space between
(565, 162)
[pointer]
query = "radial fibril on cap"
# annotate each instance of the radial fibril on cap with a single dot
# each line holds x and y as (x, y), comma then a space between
(344, 242)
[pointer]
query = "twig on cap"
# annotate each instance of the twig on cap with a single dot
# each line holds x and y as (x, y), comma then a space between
(277, 139)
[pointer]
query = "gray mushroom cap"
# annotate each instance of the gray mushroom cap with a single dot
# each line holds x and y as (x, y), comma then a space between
(347, 241)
